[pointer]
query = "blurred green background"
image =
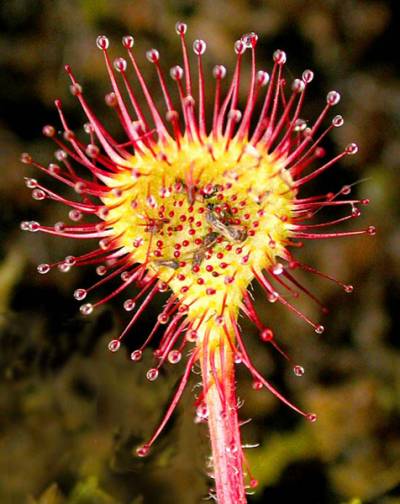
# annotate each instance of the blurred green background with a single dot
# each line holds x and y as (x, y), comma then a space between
(71, 413)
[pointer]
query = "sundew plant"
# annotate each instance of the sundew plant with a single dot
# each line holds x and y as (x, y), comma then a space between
(200, 208)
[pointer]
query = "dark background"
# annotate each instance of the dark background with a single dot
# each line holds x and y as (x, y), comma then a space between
(71, 414)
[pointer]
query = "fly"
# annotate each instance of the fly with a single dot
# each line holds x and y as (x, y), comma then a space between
(169, 263)
(235, 233)
(200, 253)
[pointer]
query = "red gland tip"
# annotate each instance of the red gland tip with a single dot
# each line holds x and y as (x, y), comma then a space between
(86, 309)
(279, 57)
(92, 151)
(176, 73)
(136, 355)
(298, 86)
(75, 89)
(307, 76)
(239, 47)
(181, 28)
(219, 71)
(191, 336)
(337, 121)
(48, 130)
(43, 268)
(262, 78)
(129, 305)
(25, 226)
(333, 98)
(102, 42)
(352, 149)
(266, 335)
(80, 294)
(202, 411)
(250, 39)
(142, 451)
(38, 194)
(68, 135)
(174, 356)
(120, 64)
(153, 55)
(114, 345)
(128, 41)
(111, 99)
(33, 226)
(199, 47)
(152, 374)
(64, 267)
(31, 183)
(298, 370)
(238, 359)
(26, 158)
(257, 385)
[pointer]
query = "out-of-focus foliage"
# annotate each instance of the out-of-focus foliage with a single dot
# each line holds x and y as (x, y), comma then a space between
(72, 413)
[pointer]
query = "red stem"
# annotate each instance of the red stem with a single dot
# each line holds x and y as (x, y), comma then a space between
(218, 373)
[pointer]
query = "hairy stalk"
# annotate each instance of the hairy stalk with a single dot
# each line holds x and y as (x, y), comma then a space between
(221, 402)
